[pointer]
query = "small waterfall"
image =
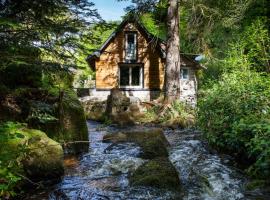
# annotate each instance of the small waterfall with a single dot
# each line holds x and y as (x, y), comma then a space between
(203, 174)
(102, 173)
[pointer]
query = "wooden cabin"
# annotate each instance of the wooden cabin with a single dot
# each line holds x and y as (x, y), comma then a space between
(133, 60)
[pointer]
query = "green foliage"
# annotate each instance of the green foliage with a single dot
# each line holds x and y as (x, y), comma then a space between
(154, 27)
(175, 114)
(41, 112)
(235, 113)
(44, 35)
(10, 158)
(56, 77)
(251, 50)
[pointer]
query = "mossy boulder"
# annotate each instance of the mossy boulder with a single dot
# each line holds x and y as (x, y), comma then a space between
(159, 173)
(44, 156)
(70, 128)
(115, 137)
(73, 124)
(152, 141)
(59, 114)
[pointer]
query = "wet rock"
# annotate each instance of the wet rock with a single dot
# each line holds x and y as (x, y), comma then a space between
(115, 137)
(152, 141)
(123, 118)
(70, 126)
(159, 173)
(44, 159)
(123, 110)
(94, 110)
(117, 108)
(120, 165)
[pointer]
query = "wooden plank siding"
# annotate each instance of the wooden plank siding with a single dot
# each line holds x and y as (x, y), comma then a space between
(107, 65)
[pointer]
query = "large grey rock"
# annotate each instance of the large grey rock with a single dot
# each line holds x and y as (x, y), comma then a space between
(118, 108)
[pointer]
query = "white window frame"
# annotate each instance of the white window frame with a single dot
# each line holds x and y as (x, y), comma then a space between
(126, 46)
(130, 76)
(188, 73)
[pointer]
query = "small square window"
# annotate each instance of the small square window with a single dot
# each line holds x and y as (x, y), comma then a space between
(184, 74)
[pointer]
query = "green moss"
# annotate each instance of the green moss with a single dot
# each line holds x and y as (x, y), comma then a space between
(159, 173)
(61, 117)
(152, 142)
(45, 156)
(73, 123)
(257, 183)
(39, 156)
(71, 126)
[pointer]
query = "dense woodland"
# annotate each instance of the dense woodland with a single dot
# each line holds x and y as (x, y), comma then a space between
(43, 46)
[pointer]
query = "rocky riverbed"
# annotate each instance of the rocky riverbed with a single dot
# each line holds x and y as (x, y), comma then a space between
(140, 163)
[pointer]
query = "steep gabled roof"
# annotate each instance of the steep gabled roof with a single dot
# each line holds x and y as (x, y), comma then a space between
(159, 43)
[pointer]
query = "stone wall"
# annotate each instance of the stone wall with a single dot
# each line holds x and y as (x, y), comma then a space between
(188, 88)
(101, 95)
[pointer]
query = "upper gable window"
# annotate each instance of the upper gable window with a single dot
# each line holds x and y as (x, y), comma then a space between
(130, 49)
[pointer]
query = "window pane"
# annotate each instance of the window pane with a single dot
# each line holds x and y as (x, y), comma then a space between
(131, 47)
(124, 76)
(130, 38)
(184, 73)
(135, 75)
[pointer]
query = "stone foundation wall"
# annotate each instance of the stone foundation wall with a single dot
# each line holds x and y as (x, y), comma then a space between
(188, 94)
(142, 95)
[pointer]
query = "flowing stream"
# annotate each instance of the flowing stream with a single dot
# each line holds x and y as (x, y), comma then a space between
(102, 173)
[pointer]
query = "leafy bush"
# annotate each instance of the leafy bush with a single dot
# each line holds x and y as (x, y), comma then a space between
(10, 158)
(235, 116)
(56, 77)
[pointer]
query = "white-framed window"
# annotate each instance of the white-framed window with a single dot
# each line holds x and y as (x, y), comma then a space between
(131, 76)
(131, 46)
(184, 73)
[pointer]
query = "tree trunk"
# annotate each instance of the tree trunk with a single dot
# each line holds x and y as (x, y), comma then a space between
(172, 68)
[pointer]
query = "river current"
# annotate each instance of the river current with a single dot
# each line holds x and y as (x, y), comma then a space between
(102, 173)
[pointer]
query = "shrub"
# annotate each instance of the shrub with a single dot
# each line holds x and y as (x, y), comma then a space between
(235, 116)
(10, 158)
(56, 77)
(176, 114)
